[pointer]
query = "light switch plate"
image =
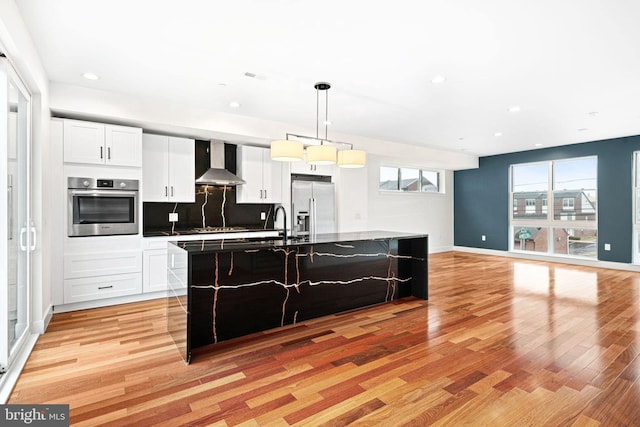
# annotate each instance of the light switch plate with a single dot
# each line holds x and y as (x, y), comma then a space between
(173, 217)
(607, 246)
(263, 216)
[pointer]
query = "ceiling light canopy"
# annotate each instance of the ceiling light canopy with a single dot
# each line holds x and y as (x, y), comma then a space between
(319, 151)
(90, 76)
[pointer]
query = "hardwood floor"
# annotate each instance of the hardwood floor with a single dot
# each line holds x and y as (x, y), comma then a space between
(501, 341)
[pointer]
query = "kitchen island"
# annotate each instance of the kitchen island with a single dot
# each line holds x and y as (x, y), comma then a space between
(224, 289)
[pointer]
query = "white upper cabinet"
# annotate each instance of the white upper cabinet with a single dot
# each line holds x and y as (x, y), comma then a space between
(124, 145)
(305, 168)
(102, 144)
(262, 175)
(168, 169)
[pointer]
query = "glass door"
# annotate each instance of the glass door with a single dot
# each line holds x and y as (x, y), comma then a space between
(18, 235)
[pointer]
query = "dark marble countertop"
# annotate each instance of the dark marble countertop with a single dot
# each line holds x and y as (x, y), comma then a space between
(194, 246)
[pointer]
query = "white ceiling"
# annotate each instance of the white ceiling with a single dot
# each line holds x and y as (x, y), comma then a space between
(572, 66)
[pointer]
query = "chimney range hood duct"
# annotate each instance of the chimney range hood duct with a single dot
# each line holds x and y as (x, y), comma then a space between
(217, 174)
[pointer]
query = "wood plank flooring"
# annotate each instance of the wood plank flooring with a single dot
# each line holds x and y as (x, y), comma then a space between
(501, 342)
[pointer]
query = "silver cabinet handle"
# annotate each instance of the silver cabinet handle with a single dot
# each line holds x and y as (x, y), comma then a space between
(265, 193)
(23, 239)
(166, 191)
(109, 153)
(172, 191)
(33, 240)
(101, 152)
(105, 287)
(260, 194)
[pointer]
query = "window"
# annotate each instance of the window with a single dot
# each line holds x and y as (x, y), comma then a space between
(530, 206)
(409, 180)
(568, 226)
(567, 204)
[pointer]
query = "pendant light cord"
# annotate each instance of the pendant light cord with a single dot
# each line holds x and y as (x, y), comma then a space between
(326, 114)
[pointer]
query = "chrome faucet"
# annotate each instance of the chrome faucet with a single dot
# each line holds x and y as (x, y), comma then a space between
(275, 218)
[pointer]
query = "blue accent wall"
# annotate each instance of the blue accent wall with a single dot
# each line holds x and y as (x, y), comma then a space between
(482, 207)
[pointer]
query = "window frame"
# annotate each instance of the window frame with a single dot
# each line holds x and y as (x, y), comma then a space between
(547, 221)
(440, 184)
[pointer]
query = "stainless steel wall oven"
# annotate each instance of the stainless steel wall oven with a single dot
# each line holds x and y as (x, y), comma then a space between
(102, 207)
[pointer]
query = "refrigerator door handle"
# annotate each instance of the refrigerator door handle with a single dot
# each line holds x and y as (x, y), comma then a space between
(315, 215)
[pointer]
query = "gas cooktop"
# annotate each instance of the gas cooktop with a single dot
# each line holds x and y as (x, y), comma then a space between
(210, 229)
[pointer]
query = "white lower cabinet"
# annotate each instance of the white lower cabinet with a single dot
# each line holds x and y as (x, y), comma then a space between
(154, 271)
(93, 276)
(99, 287)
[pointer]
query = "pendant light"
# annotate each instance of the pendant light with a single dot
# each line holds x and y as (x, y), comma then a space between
(352, 158)
(321, 154)
(287, 150)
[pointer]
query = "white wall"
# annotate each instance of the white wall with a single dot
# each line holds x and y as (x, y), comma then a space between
(429, 213)
(16, 43)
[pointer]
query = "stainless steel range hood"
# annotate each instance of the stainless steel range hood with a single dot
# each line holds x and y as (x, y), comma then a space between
(217, 174)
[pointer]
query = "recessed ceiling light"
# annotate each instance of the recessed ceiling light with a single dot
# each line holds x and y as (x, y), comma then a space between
(514, 109)
(497, 134)
(593, 113)
(538, 145)
(222, 84)
(582, 129)
(461, 139)
(90, 76)
(438, 79)
(234, 104)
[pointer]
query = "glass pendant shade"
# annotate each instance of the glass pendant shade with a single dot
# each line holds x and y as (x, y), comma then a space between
(287, 151)
(351, 158)
(321, 155)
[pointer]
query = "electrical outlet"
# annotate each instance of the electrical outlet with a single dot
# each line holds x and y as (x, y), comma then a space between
(484, 238)
(263, 216)
(173, 217)
(607, 246)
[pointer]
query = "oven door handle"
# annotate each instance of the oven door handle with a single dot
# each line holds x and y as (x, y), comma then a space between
(112, 193)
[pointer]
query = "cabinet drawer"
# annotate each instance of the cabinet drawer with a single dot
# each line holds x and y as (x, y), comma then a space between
(93, 288)
(102, 263)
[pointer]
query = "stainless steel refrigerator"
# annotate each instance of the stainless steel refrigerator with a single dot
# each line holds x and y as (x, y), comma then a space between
(313, 206)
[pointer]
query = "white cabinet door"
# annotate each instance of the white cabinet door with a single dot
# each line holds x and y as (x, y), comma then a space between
(83, 142)
(303, 167)
(182, 169)
(250, 169)
(168, 169)
(271, 179)
(262, 175)
(102, 144)
(154, 271)
(155, 168)
(123, 145)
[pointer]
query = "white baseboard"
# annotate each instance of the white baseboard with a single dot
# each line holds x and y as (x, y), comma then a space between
(551, 258)
(440, 249)
(40, 326)
(9, 380)
(63, 308)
